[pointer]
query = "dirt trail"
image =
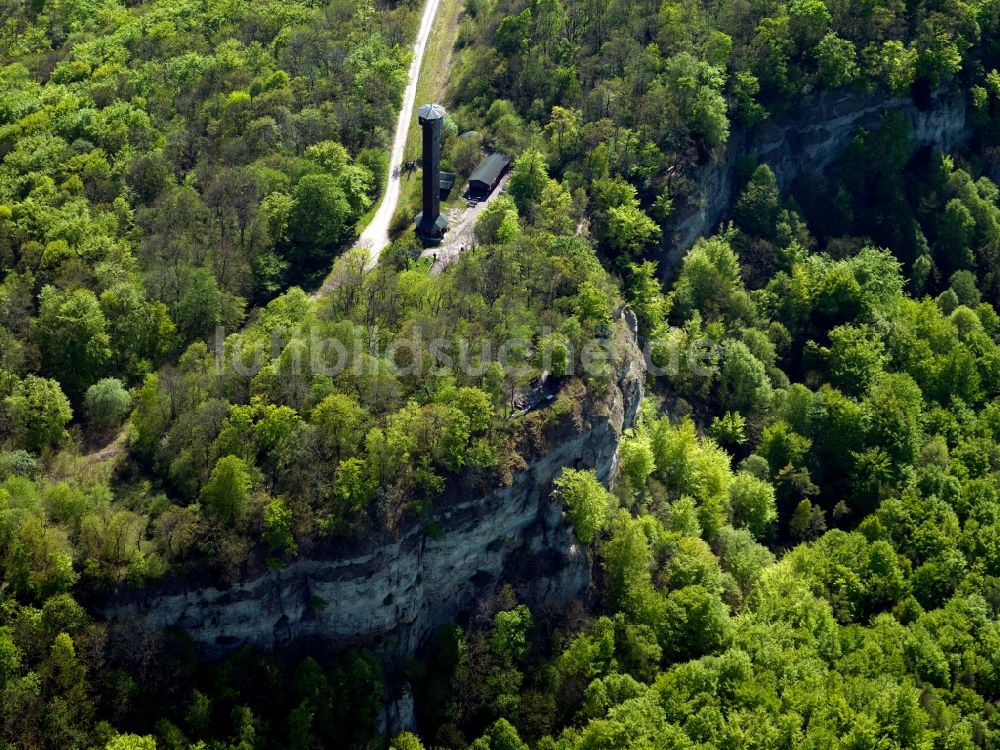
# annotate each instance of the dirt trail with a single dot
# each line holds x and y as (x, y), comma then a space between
(110, 450)
(375, 237)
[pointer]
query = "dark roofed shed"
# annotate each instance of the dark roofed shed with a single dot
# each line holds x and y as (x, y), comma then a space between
(486, 176)
(446, 183)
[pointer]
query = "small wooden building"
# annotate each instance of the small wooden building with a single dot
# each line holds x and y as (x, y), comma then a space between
(446, 183)
(485, 178)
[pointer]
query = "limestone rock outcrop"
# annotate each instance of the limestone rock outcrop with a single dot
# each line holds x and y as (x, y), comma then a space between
(807, 143)
(395, 591)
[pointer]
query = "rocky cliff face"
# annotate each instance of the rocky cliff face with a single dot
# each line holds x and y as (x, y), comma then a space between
(397, 591)
(809, 143)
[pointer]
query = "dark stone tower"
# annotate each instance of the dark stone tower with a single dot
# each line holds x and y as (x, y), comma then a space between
(431, 225)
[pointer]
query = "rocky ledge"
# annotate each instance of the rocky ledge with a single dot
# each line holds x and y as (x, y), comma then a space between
(393, 592)
(807, 143)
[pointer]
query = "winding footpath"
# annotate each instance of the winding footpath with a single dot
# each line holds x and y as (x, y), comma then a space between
(375, 237)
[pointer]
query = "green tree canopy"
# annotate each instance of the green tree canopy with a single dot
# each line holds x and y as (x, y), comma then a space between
(226, 495)
(106, 404)
(587, 502)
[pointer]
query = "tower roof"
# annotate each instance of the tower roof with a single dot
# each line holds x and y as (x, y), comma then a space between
(431, 112)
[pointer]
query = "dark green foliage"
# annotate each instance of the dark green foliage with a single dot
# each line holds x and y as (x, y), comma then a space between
(872, 453)
(72, 336)
(757, 208)
(800, 548)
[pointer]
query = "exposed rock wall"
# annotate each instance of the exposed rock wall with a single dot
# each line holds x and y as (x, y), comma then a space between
(809, 143)
(397, 591)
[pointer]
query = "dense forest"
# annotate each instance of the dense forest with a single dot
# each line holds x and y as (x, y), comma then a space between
(798, 548)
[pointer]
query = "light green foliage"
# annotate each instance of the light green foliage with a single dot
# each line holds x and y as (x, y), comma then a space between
(752, 504)
(743, 381)
(72, 336)
(730, 428)
(169, 167)
(605, 692)
(150, 417)
(503, 736)
(38, 412)
(406, 741)
(746, 89)
(509, 637)
(106, 404)
(629, 229)
(831, 382)
(475, 405)
(637, 461)
(709, 280)
(627, 556)
(278, 526)
(808, 19)
(836, 61)
(351, 487)
(112, 544)
(783, 447)
(854, 358)
(742, 557)
(226, 495)
(131, 742)
(892, 409)
(563, 131)
(331, 156)
(556, 212)
(695, 623)
(646, 297)
(340, 422)
(528, 179)
(859, 578)
(897, 65)
(683, 517)
(689, 466)
(586, 500)
(697, 89)
(497, 223)
(164, 169)
(963, 283)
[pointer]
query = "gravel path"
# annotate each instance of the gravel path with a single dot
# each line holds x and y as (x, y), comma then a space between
(375, 237)
(376, 234)
(461, 222)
